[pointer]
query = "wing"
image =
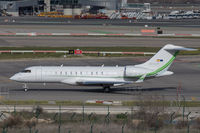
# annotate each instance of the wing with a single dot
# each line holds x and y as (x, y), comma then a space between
(100, 83)
(96, 81)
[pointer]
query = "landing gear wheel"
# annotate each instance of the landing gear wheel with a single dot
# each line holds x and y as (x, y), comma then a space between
(106, 89)
(25, 87)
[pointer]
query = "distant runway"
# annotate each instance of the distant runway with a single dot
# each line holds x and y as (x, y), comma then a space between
(186, 77)
(96, 41)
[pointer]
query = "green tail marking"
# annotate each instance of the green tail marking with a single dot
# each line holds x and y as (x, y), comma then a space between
(165, 66)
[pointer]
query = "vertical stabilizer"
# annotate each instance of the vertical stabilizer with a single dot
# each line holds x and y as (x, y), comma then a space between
(163, 59)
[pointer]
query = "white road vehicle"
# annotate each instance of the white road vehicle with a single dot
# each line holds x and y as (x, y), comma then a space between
(103, 76)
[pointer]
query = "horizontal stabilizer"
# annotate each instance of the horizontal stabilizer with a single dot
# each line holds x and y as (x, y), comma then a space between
(178, 48)
(166, 73)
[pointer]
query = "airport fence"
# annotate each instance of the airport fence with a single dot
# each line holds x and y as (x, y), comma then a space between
(92, 121)
(149, 116)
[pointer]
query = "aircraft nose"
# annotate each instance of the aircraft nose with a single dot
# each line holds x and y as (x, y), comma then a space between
(14, 78)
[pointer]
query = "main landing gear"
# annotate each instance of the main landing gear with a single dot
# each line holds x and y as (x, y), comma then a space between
(25, 87)
(106, 89)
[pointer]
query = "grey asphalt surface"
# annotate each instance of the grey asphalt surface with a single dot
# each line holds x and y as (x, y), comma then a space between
(112, 29)
(186, 77)
(187, 72)
(66, 41)
(95, 41)
(118, 22)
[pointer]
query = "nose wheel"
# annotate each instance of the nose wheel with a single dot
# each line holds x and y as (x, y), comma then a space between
(25, 87)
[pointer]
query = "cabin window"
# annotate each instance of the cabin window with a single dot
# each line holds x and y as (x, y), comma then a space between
(71, 73)
(101, 73)
(81, 73)
(60, 73)
(26, 71)
(65, 73)
(91, 73)
(96, 73)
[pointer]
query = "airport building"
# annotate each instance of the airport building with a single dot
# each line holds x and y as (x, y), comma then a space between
(29, 7)
(19, 7)
(68, 7)
(107, 4)
(96, 4)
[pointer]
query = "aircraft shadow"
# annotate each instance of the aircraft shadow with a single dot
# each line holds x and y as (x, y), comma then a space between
(127, 90)
(121, 90)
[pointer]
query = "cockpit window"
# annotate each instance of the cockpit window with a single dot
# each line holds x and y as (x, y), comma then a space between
(26, 71)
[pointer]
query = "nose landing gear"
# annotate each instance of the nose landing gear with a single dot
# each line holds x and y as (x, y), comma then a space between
(25, 87)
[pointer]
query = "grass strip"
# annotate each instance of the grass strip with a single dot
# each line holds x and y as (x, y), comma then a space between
(162, 103)
(111, 49)
(59, 55)
(124, 103)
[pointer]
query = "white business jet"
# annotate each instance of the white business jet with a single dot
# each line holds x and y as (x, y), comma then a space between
(103, 76)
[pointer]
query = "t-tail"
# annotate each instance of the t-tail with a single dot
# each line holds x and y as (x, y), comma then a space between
(162, 60)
